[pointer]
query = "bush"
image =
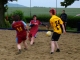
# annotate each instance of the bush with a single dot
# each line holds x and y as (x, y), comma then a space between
(7, 24)
(73, 21)
(9, 18)
(18, 12)
(27, 19)
(44, 18)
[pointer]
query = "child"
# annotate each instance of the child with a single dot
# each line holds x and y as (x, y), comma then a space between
(20, 28)
(55, 23)
(34, 24)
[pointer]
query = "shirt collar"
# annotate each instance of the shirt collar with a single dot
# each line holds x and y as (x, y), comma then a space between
(53, 15)
(34, 20)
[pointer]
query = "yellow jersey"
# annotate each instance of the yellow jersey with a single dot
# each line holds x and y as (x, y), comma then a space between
(56, 23)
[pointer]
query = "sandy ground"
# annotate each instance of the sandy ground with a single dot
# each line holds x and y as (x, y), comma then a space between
(69, 45)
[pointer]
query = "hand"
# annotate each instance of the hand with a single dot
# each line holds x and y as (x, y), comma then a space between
(66, 22)
(31, 25)
(47, 26)
(36, 23)
(28, 31)
(13, 22)
(64, 31)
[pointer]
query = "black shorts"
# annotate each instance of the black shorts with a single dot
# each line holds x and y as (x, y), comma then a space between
(55, 36)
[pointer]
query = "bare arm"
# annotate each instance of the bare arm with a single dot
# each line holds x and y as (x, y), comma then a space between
(64, 31)
(27, 27)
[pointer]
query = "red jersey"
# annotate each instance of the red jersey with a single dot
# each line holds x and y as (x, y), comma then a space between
(35, 27)
(19, 27)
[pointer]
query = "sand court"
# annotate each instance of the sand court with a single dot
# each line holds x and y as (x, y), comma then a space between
(69, 45)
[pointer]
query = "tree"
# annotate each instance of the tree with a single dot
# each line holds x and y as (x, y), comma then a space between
(2, 11)
(67, 2)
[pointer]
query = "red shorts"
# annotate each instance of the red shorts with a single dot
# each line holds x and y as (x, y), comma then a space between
(21, 38)
(32, 34)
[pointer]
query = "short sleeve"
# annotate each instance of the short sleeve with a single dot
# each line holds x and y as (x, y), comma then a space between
(40, 22)
(24, 23)
(61, 22)
(12, 25)
(51, 23)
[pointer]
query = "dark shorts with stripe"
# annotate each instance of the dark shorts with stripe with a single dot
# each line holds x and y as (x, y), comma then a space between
(55, 36)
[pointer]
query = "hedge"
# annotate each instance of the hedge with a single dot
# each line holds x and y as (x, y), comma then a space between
(72, 21)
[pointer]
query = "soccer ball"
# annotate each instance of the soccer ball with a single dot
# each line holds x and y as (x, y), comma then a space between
(48, 33)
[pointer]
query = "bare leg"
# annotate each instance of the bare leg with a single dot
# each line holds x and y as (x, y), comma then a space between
(25, 44)
(56, 44)
(35, 35)
(27, 35)
(19, 46)
(32, 41)
(52, 46)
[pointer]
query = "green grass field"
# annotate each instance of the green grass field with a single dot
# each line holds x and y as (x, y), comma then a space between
(43, 10)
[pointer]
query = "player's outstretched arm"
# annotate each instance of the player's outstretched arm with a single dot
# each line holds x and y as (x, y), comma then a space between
(27, 28)
(45, 25)
(64, 31)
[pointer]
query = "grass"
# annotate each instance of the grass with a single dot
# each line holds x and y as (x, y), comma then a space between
(41, 10)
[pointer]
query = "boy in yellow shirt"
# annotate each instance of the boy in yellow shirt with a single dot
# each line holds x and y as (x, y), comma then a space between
(56, 24)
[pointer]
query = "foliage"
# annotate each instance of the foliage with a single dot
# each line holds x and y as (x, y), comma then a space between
(44, 18)
(5, 6)
(7, 24)
(18, 12)
(67, 2)
(27, 19)
(9, 18)
(6, 1)
(3, 9)
(73, 21)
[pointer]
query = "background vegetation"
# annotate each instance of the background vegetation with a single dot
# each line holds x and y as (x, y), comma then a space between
(43, 15)
(43, 10)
